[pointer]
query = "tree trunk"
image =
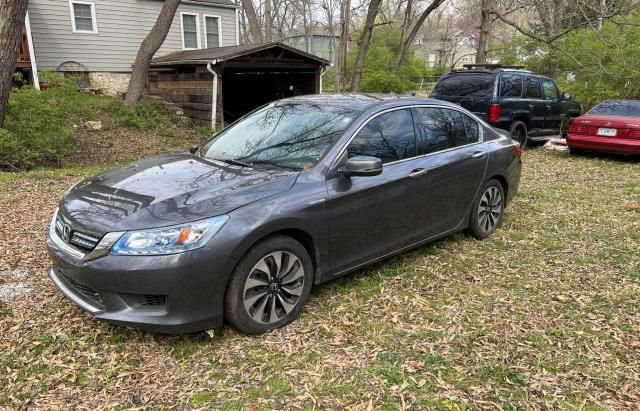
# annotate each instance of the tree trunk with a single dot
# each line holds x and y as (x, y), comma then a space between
(372, 13)
(341, 53)
(485, 28)
(406, 21)
(268, 21)
(148, 48)
(252, 18)
(12, 14)
(404, 47)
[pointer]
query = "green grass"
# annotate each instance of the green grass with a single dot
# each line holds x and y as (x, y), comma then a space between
(44, 128)
(542, 314)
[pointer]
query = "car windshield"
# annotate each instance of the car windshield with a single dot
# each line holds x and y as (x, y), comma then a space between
(291, 135)
(617, 108)
(465, 85)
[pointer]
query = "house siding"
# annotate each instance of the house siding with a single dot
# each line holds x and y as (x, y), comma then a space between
(122, 25)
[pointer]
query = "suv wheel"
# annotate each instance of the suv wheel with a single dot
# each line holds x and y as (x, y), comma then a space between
(270, 285)
(518, 132)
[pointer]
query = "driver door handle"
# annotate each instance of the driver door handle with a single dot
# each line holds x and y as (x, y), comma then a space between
(478, 154)
(418, 172)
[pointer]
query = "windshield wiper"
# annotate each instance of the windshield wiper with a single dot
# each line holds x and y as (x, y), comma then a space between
(274, 164)
(234, 162)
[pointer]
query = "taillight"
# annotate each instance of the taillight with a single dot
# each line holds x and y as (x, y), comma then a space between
(518, 149)
(576, 128)
(494, 113)
(633, 133)
(573, 127)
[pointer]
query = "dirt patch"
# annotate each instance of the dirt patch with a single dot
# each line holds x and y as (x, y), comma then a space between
(115, 144)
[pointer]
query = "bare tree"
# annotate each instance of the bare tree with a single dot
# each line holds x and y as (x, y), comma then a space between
(252, 18)
(484, 30)
(341, 54)
(369, 24)
(148, 48)
(404, 47)
(268, 21)
(12, 14)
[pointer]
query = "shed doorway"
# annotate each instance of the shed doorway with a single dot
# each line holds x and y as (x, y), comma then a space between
(244, 91)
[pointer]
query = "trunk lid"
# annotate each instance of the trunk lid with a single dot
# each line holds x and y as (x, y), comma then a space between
(589, 125)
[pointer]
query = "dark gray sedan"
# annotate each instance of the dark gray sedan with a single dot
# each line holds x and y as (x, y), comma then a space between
(297, 193)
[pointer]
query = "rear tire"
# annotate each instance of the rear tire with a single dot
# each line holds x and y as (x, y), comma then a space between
(487, 211)
(269, 286)
(519, 133)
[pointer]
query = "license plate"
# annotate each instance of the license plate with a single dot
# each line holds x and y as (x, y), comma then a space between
(607, 132)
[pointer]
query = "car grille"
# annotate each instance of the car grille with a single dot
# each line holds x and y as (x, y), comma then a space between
(154, 300)
(87, 292)
(77, 238)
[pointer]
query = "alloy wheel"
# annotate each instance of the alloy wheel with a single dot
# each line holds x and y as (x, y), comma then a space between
(489, 209)
(274, 286)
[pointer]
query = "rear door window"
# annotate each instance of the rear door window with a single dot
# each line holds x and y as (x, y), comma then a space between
(510, 85)
(390, 137)
(533, 88)
(440, 129)
(465, 85)
(472, 127)
(550, 90)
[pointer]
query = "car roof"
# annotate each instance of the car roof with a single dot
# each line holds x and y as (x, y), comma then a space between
(363, 101)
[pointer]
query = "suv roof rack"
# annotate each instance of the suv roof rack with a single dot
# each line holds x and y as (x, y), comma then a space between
(491, 66)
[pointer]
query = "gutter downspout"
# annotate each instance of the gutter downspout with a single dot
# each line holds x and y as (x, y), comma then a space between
(214, 93)
(322, 73)
(32, 54)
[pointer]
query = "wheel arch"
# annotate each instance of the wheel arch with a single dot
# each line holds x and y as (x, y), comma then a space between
(505, 185)
(304, 237)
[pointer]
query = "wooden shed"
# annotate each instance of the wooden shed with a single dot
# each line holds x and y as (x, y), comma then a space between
(244, 77)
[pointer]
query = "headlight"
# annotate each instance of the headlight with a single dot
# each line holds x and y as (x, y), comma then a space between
(168, 240)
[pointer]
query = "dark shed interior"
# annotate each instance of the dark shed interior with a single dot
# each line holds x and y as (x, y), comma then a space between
(248, 77)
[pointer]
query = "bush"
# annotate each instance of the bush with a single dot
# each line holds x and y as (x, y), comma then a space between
(39, 127)
(35, 128)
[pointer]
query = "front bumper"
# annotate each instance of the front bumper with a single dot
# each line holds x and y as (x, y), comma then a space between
(177, 293)
(604, 144)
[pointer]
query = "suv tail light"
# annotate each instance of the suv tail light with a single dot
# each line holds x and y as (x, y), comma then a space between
(494, 113)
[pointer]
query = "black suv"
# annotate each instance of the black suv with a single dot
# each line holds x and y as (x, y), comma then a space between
(526, 104)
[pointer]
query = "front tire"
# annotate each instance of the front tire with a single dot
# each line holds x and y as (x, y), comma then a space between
(519, 133)
(270, 285)
(487, 211)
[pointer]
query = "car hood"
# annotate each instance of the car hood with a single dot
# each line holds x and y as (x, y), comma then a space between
(166, 190)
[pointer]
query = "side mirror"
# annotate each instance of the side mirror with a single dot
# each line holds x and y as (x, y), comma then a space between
(362, 166)
(566, 96)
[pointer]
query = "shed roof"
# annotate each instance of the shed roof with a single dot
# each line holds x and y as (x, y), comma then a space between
(228, 53)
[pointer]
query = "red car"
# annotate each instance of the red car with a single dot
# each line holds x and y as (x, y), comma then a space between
(612, 127)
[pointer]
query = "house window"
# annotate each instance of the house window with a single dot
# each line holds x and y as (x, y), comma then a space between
(213, 31)
(83, 17)
(190, 31)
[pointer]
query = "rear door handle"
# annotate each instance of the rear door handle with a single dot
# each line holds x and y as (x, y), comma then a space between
(530, 106)
(478, 154)
(418, 172)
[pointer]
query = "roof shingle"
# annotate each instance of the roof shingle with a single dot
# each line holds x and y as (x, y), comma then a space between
(227, 53)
